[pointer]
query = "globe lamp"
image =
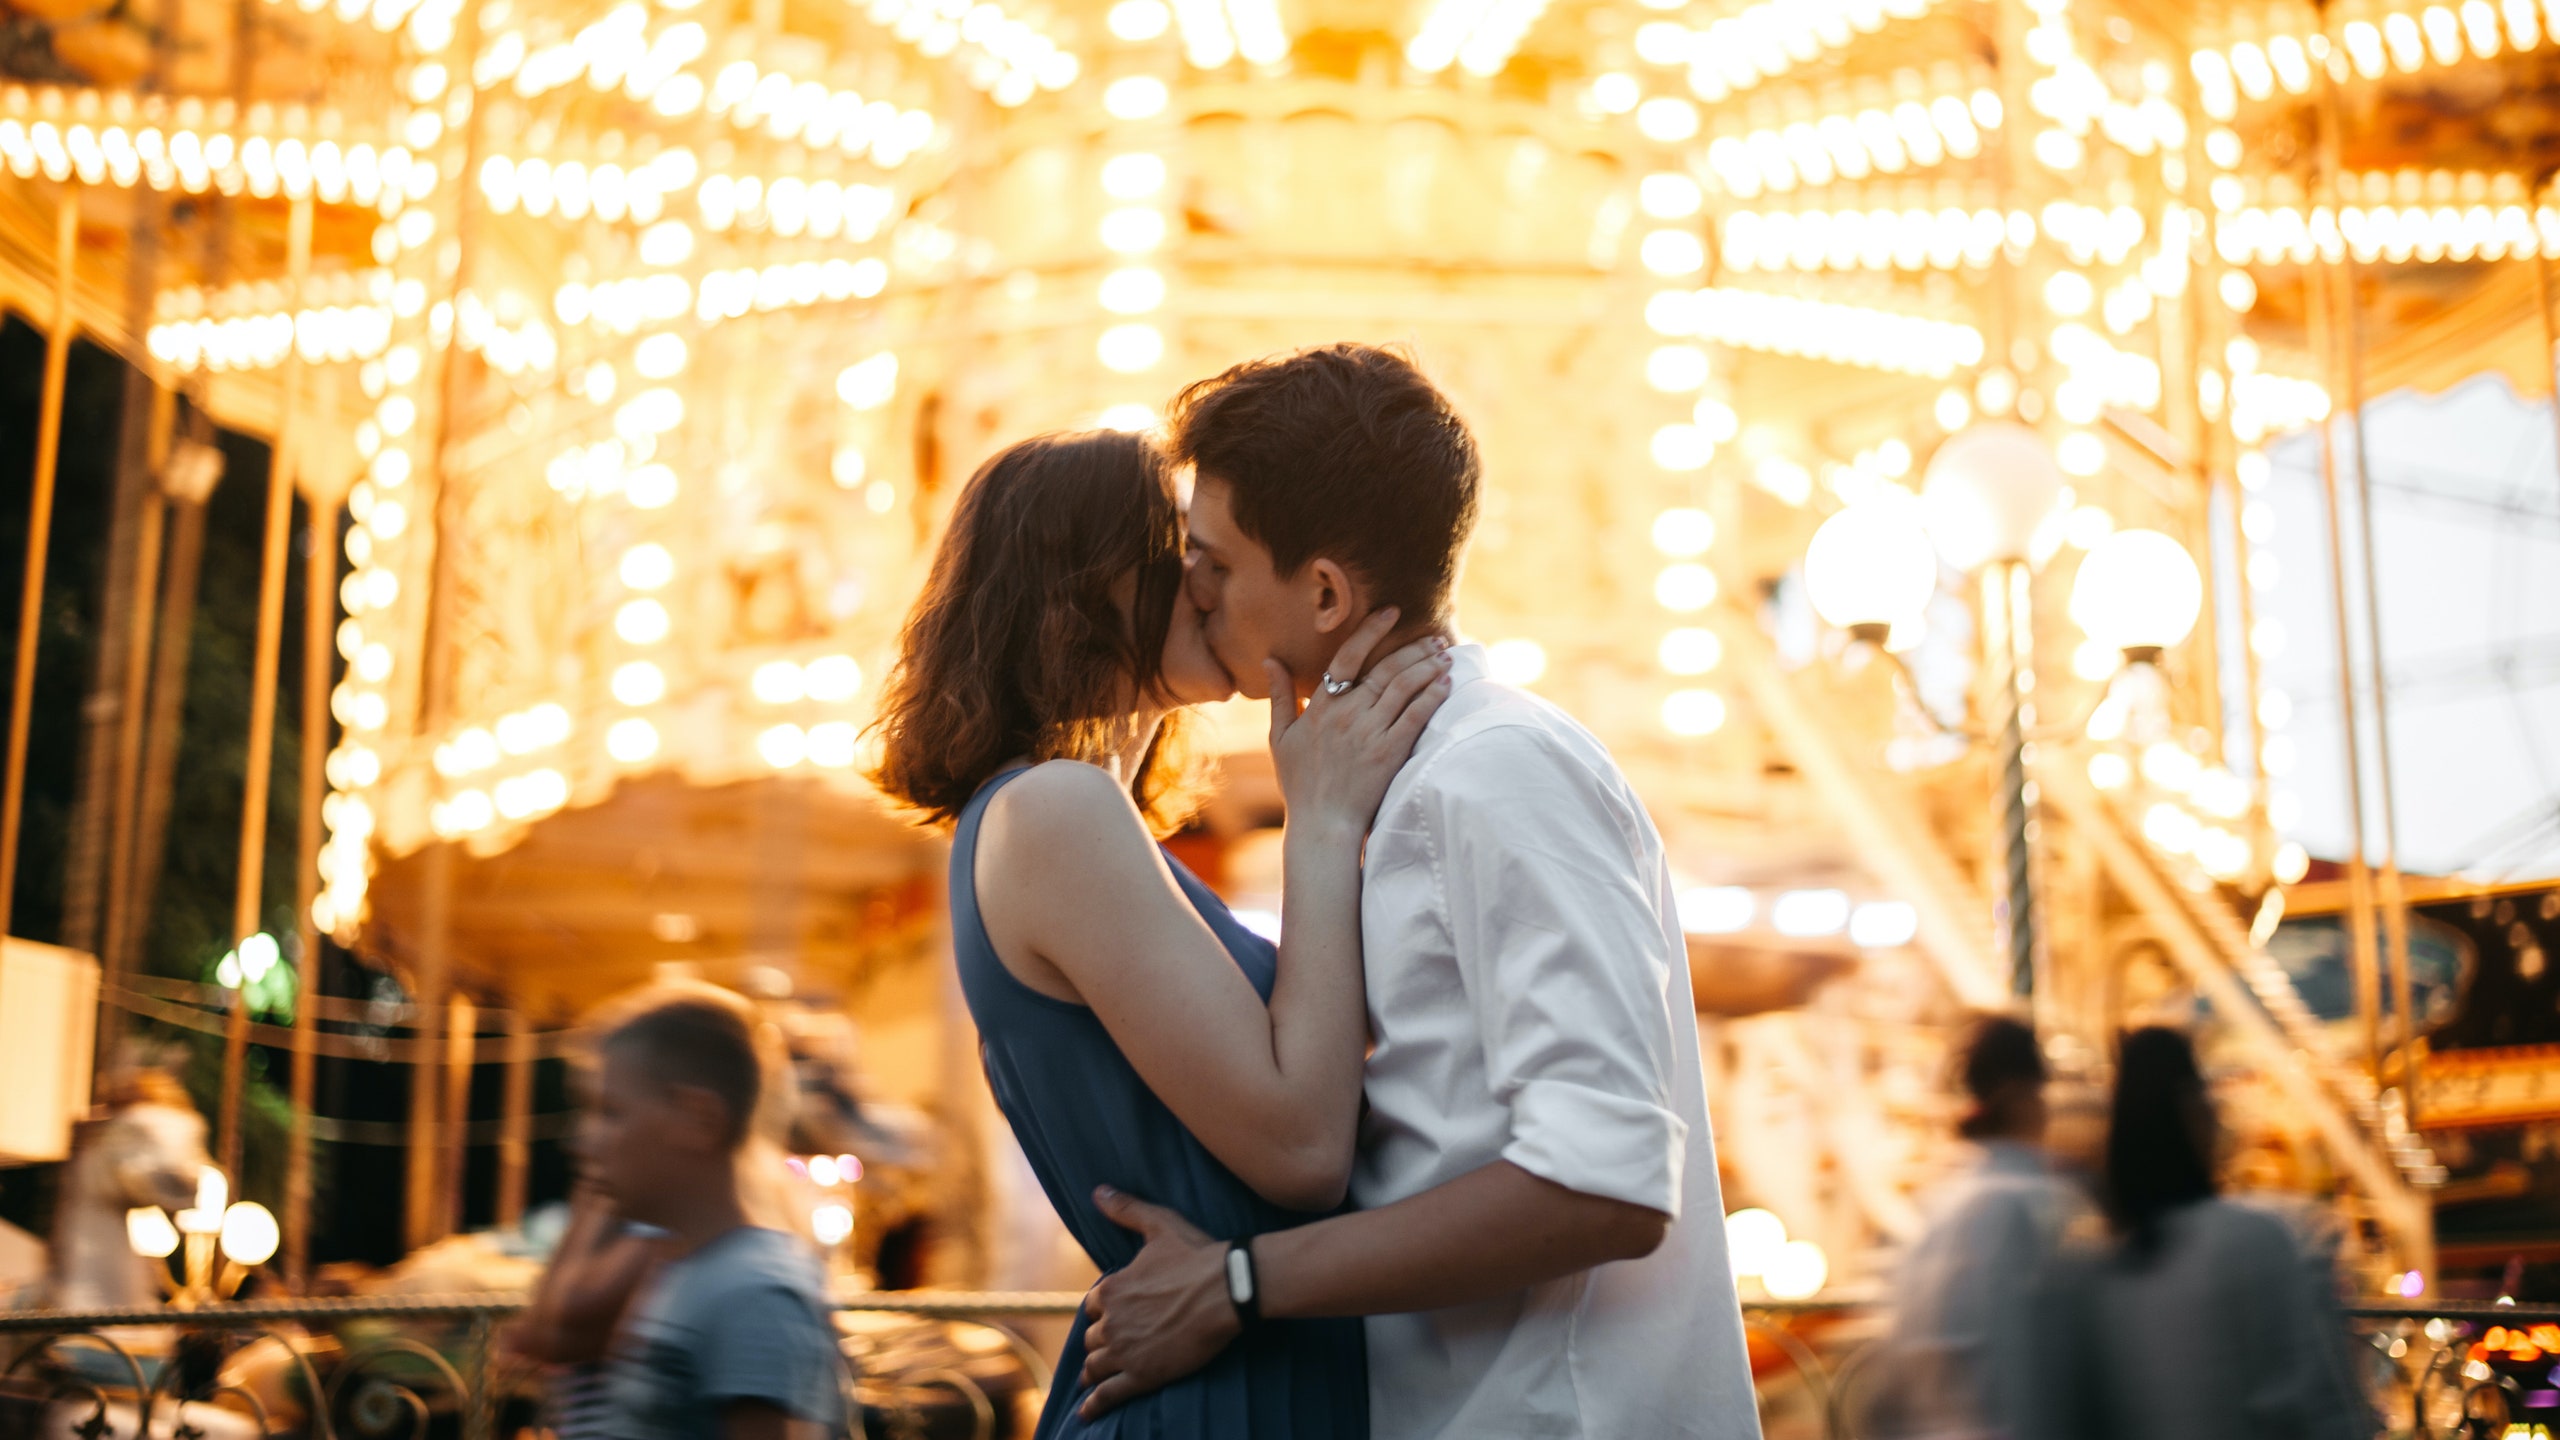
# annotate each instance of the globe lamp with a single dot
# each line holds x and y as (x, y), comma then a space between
(249, 1234)
(2138, 592)
(1870, 567)
(1989, 488)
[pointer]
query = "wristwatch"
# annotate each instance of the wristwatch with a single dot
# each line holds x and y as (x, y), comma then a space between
(1243, 1289)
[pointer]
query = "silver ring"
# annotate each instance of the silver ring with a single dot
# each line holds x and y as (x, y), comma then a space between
(1337, 687)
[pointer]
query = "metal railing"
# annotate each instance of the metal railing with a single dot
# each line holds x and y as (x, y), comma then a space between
(418, 1367)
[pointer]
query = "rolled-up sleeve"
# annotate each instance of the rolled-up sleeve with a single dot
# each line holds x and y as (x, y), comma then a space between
(1555, 914)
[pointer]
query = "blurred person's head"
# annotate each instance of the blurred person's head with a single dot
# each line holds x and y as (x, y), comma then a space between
(2160, 1136)
(1054, 623)
(2003, 1072)
(1326, 484)
(676, 1093)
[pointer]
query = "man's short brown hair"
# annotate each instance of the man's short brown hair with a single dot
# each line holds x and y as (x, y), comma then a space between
(1345, 452)
(700, 1038)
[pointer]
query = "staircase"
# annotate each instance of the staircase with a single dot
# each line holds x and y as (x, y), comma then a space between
(2365, 1132)
(2367, 1137)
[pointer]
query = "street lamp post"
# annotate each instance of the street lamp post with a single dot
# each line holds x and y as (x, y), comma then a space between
(1988, 491)
(1874, 566)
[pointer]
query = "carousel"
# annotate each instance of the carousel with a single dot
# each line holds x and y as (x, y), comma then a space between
(1885, 406)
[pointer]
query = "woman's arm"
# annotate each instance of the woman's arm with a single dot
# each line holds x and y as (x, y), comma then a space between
(583, 1291)
(1071, 883)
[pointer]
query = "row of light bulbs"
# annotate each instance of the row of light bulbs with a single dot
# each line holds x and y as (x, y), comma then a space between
(1683, 534)
(1853, 145)
(1477, 36)
(193, 163)
(1764, 40)
(789, 205)
(1817, 329)
(1135, 224)
(2404, 40)
(390, 441)
(252, 297)
(258, 342)
(1214, 32)
(606, 190)
(1911, 239)
(2406, 186)
(1005, 55)
(809, 112)
(2395, 234)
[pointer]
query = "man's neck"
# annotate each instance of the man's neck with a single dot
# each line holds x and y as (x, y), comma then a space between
(701, 1214)
(1402, 636)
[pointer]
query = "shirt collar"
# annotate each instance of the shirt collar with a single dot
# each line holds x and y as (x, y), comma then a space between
(2011, 1157)
(1468, 664)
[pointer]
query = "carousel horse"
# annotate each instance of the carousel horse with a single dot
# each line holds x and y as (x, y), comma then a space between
(147, 1150)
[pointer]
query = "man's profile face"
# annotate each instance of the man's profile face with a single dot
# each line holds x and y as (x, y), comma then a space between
(1248, 610)
(634, 1135)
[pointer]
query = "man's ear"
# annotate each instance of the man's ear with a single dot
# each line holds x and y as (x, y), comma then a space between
(700, 1113)
(1341, 602)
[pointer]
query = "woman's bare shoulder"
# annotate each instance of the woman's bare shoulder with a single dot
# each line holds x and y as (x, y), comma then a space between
(1058, 809)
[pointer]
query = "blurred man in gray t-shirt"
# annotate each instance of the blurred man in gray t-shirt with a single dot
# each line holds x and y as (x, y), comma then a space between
(734, 1339)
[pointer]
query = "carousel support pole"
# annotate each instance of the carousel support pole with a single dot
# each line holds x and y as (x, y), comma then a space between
(2330, 303)
(515, 1140)
(2347, 333)
(122, 820)
(2395, 895)
(461, 1041)
(186, 484)
(319, 609)
(426, 1009)
(246, 900)
(57, 365)
(2360, 903)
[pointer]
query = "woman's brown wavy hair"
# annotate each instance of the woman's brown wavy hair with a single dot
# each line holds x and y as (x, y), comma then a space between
(1017, 649)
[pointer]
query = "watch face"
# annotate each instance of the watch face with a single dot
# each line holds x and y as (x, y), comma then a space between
(1239, 1277)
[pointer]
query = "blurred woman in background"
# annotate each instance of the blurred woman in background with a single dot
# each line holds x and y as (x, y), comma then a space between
(2204, 1319)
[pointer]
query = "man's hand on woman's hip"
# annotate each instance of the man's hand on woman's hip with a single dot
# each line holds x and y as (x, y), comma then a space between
(1163, 1316)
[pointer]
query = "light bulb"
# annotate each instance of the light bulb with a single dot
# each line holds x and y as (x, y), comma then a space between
(1796, 1272)
(149, 1232)
(249, 1234)
(1870, 566)
(2138, 591)
(1989, 489)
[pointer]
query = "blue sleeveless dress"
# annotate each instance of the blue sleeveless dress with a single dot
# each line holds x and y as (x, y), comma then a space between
(1084, 1118)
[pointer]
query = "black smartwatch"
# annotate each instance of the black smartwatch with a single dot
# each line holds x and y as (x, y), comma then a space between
(1244, 1288)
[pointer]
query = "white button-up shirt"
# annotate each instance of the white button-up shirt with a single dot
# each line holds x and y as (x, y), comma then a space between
(1529, 1001)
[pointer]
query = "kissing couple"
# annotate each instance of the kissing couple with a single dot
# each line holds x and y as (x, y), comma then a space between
(1437, 1164)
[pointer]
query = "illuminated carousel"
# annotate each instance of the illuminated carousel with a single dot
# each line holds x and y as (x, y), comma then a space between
(1876, 397)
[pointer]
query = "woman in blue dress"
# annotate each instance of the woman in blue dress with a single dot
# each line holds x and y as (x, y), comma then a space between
(1134, 1033)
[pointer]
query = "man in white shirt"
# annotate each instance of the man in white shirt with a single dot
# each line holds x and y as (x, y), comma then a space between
(1540, 1240)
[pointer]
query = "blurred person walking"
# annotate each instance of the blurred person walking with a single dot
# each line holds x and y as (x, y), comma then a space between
(2204, 1319)
(1962, 1356)
(733, 1337)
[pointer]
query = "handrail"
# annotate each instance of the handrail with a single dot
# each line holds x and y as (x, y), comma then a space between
(1823, 1368)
